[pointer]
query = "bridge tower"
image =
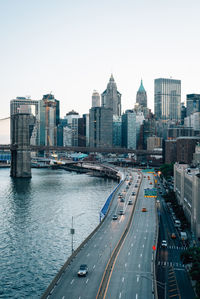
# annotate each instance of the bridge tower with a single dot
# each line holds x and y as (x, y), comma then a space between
(20, 145)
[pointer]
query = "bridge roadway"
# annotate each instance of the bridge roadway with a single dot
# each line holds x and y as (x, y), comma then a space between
(82, 149)
(98, 250)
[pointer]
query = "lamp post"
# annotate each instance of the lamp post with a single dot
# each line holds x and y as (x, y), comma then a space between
(159, 283)
(72, 230)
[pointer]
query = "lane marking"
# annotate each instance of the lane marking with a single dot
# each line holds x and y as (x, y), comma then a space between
(94, 266)
(134, 237)
(136, 296)
(125, 265)
(139, 266)
(106, 245)
(100, 238)
(143, 245)
(88, 254)
(122, 279)
(120, 294)
(129, 253)
(141, 254)
(138, 278)
(79, 297)
(72, 281)
(145, 238)
(87, 280)
(95, 245)
(63, 297)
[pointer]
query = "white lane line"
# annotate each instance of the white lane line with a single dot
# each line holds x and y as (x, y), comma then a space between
(106, 245)
(143, 245)
(100, 238)
(88, 254)
(141, 254)
(131, 244)
(94, 266)
(136, 296)
(134, 237)
(95, 245)
(139, 266)
(63, 297)
(145, 238)
(129, 253)
(79, 297)
(122, 279)
(120, 294)
(72, 281)
(138, 278)
(87, 280)
(137, 230)
(146, 230)
(125, 265)
(147, 225)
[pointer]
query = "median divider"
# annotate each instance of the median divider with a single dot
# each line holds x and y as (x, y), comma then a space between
(55, 281)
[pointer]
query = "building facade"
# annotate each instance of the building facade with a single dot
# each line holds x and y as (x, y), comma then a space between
(167, 99)
(187, 189)
(48, 119)
(101, 127)
(129, 129)
(141, 97)
(193, 103)
(111, 97)
(95, 99)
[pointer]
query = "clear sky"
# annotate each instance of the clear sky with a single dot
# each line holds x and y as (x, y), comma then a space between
(70, 48)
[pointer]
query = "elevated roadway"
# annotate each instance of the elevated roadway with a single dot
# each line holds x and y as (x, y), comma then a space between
(132, 272)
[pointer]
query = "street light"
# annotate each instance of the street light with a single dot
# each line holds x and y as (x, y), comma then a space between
(159, 283)
(72, 230)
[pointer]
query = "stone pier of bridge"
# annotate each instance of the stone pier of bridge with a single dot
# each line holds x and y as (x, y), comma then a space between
(20, 145)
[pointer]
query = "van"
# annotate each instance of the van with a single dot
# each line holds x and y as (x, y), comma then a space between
(177, 223)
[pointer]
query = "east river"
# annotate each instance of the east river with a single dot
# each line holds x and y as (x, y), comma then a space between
(35, 221)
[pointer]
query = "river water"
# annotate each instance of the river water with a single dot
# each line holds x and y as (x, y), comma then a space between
(35, 221)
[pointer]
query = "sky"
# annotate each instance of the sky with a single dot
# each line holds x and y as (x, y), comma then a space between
(71, 47)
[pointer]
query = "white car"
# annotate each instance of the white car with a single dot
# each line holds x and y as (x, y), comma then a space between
(164, 243)
(83, 270)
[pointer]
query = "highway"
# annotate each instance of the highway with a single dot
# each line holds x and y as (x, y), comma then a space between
(132, 271)
(96, 251)
(170, 269)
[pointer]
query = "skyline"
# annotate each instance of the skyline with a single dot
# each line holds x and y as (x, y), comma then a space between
(71, 49)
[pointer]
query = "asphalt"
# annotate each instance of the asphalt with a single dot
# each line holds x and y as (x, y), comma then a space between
(132, 272)
(96, 252)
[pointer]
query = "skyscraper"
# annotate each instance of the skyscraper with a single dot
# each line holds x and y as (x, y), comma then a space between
(111, 98)
(100, 127)
(129, 129)
(48, 116)
(167, 99)
(193, 103)
(141, 97)
(95, 99)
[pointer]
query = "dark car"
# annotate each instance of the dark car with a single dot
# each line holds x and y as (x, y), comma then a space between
(130, 202)
(114, 217)
(122, 199)
(83, 270)
(121, 212)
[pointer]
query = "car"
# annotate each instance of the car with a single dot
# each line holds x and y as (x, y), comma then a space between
(136, 185)
(115, 217)
(144, 210)
(133, 193)
(130, 202)
(121, 212)
(173, 236)
(164, 243)
(122, 199)
(150, 183)
(83, 270)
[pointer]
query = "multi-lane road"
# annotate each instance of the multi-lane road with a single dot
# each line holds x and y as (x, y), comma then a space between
(131, 275)
(170, 269)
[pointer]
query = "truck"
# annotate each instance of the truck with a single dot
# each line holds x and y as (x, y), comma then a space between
(183, 236)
